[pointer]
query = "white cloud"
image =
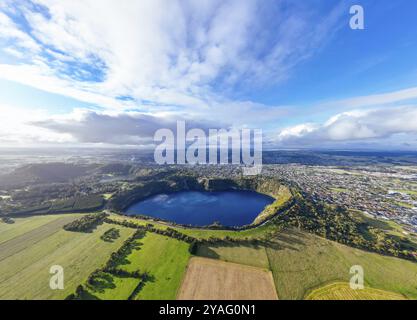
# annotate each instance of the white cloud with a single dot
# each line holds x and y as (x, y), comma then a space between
(166, 52)
(177, 60)
(359, 125)
(20, 40)
(16, 128)
(40, 76)
(374, 100)
(112, 128)
(297, 131)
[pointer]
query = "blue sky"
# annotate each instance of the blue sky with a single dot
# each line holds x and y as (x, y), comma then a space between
(71, 72)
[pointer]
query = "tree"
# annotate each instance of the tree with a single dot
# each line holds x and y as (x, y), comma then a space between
(193, 247)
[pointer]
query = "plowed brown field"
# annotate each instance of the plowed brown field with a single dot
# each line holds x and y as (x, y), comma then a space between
(208, 279)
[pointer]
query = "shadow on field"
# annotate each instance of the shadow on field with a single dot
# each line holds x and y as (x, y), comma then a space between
(134, 246)
(208, 250)
(291, 239)
(89, 296)
(146, 277)
(102, 282)
(205, 251)
(123, 261)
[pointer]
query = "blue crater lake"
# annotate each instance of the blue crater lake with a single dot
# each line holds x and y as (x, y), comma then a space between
(230, 208)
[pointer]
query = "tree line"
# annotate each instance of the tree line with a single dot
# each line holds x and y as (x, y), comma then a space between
(112, 267)
(175, 234)
(169, 232)
(86, 223)
(337, 223)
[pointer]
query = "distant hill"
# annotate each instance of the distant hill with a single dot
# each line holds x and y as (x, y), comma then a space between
(44, 173)
(115, 168)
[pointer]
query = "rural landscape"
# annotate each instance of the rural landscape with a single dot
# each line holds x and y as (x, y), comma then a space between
(208, 157)
(295, 248)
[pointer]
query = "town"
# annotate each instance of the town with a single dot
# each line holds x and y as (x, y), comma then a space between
(381, 190)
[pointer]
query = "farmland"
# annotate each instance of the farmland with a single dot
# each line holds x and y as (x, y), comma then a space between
(24, 225)
(260, 231)
(410, 192)
(208, 279)
(301, 262)
(164, 259)
(298, 265)
(24, 270)
(342, 291)
(151, 267)
(111, 287)
(31, 237)
(244, 254)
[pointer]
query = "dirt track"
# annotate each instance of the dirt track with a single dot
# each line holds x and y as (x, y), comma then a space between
(208, 279)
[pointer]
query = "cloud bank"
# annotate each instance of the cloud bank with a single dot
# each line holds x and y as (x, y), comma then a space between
(142, 65)
(356, 126)
(157, 53)
(131, 128)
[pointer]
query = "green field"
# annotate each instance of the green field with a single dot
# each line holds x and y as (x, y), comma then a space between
(249, 254)
(165, 260)
(112, 288)
(339, 190)
(301, 262)
(38, 244)
(30, 246)
(410, 192)
(24, 225)
(389, 227)
(404, 204)
(107, 196)
(342, 291)
(258, 232)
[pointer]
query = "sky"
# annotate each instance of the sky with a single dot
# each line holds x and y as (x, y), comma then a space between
(110, 73)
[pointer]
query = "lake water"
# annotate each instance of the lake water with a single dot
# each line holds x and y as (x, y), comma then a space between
(230, 208)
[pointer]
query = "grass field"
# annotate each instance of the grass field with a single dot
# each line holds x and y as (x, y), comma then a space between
(23, 225)
(208, 279)
(339, 190)
(250, 233)
(258, 232)
(301, 262)
(112, 288)
(402, 204)
(165, 260)
(410, 192)
(107, 196)
(342, 291)
(32, 236)
(24, 270)
(389, 227)
(249, 255)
